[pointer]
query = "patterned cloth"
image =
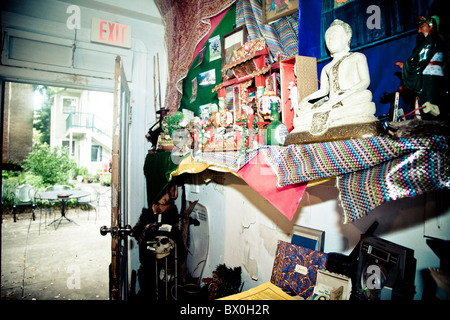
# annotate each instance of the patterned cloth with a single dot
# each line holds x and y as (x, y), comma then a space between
(300, 163)
(407, 176)
(229, 160)
(295, 268)
(281, 36)
(370, 171)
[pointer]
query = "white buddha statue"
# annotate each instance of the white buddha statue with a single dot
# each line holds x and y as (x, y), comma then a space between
(343, 98)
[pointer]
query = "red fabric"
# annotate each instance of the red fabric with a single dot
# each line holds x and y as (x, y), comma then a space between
(258, 175)
(186, 23)
(214, 22)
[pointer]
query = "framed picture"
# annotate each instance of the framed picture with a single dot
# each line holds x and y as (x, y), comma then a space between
(232, 40)
(276, 9)
(215, 51)
(308, 238)
(207, 78)
(194, 89)
(332, 286)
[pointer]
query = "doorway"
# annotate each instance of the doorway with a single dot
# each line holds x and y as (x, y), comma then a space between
(40, 261)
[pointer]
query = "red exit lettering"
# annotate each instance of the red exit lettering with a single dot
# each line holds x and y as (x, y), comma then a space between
(112, 32)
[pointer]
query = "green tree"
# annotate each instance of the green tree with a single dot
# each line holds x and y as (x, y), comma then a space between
(53, 165)
(43, 115)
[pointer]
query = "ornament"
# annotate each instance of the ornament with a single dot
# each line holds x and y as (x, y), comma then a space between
(265, 102)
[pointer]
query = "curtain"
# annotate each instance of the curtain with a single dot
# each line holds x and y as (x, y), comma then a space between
(186, 23)
(281, 36)
(310, 17)
(204, 94)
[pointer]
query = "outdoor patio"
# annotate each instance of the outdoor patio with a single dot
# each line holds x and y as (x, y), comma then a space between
(70, 262)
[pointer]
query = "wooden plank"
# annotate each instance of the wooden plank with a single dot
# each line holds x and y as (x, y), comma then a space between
(115, 247)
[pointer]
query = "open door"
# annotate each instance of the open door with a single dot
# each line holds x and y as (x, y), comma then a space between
(120, 229)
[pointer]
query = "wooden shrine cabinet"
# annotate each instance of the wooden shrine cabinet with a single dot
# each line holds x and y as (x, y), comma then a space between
(247, 78)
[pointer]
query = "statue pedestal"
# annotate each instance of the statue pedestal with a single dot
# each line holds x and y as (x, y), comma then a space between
(345, 132)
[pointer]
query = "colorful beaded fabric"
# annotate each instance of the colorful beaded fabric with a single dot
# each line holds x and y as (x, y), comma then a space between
(369, 171)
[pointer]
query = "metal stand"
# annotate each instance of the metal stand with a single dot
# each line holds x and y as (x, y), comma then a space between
(63, 215)
(166, 277)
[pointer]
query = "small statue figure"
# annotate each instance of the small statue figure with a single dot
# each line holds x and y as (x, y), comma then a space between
(343, 102)
(265, 105)
(293, 96)
(423, 71)
(223, 117)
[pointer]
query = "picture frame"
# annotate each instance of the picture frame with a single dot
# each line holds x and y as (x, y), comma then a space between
(308, 238)
(232, 40)
(271, 11)
(215, 50)
(332, 286)
(207, 78)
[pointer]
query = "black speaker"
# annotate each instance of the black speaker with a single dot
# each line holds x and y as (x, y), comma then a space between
(385, 271)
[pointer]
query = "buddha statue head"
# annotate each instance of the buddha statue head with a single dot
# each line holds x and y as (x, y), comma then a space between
(338, 37)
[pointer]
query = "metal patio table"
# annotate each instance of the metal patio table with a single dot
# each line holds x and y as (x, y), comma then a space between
(61, 196)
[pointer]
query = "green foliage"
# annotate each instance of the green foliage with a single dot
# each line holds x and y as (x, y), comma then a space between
(171, 122)
(35, 180)
(82, 171)
(105, 179)
(42, 120)
(54, 166)
(10, 181)
(42, 123)
(9, 186)
(42, 168)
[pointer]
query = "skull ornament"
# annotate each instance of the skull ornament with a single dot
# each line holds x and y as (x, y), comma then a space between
(162, 246)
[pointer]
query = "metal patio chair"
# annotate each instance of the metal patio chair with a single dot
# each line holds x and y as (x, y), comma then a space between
(24, 196)
(91, 201)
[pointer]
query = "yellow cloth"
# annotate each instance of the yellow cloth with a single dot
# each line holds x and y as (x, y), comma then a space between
(189, 165)
(265, 291)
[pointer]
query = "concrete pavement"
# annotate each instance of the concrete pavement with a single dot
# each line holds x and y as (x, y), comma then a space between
(39, 262)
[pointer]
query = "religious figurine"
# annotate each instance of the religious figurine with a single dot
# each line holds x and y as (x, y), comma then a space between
(265, 103)
(423, 71)
(342, 108)
(293, 96)
(222, 117)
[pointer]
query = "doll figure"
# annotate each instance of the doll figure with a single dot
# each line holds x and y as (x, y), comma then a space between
(423, 71)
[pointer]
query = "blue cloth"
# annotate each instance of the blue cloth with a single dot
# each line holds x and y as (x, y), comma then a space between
(310, 15)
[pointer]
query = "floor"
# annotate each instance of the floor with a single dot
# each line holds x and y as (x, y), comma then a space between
(70, 262)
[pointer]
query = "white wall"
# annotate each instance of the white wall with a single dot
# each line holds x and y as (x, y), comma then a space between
(248, 227)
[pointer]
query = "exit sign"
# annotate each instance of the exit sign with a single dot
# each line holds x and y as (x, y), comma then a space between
(111, 33)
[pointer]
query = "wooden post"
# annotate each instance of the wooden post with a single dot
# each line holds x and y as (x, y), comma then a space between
(154, 86)
(159, 83)
(115, 248)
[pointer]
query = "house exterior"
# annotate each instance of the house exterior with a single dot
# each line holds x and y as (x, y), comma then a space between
(81, 120)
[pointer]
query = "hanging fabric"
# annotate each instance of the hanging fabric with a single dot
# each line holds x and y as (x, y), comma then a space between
(186, 23)
(281, 36)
